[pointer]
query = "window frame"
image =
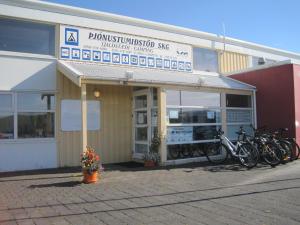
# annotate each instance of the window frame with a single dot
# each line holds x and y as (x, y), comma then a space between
(15, 114)
(12, 111)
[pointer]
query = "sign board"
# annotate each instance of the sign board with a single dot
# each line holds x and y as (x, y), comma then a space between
(101, 46)
(174, 114)
(71, 115)
(179, 135)
(210, 115)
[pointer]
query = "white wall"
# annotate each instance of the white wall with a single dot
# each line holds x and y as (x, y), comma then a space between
(27, 155)
(21, 73)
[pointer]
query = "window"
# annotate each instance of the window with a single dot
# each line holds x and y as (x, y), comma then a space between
(35, 115)
(192, 118)
(6, 117)
(239, 113)
(243, 101)
(192, 98)
(28, 37)
(205, 60)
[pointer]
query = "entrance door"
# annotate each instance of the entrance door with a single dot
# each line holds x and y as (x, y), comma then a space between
(141, 122)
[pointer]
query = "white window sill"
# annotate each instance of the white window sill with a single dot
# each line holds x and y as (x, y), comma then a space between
(28, 140)
(26, 55)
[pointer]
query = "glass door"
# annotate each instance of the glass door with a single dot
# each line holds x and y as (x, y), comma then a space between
(144, 120)
(141, 122)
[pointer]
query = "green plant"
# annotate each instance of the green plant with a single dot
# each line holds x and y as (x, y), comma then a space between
(153, 154)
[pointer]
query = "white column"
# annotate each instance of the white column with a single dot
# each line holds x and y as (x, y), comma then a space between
(84, 116)
(162, 128)
(223, 113)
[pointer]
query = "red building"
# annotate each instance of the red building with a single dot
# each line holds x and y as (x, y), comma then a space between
(278, 95)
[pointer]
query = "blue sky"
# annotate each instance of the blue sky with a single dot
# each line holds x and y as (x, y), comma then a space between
(274, 23)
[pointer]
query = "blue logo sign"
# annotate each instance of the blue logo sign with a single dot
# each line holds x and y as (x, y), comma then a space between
(106, 56)
(188, 66)
(133, 60)
(174, 65)
(151, 62)
(116, 57)
(64, 52)
(96, 56)
(159, 63)
(86, 54)
(125, 59)
(75, 53)
(143, 61)
(166, 63)
(181, 65)
(71, 36)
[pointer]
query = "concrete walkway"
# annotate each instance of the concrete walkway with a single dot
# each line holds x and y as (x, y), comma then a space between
(192, 194)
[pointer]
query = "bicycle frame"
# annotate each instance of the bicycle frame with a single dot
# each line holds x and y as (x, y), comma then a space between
(233, 148)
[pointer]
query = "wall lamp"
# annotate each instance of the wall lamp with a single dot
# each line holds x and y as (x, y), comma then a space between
(97, 93)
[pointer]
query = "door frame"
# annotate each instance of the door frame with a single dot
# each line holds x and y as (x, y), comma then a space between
(147, 92)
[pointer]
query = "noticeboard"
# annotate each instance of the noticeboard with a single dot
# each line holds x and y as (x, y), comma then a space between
(71, 115)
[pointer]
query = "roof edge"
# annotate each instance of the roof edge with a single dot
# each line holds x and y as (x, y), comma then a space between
(71, 10)
(262, 67)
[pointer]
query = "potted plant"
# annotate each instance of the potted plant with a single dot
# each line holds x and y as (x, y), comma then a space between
(90, 162)
(152, 158)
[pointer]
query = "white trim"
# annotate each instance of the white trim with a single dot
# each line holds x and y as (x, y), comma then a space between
(27, 140)
(193, 142)
(71, 73)
(240, 108)
(185, 161)
(193, 124)
(26, 55)
(194, 107)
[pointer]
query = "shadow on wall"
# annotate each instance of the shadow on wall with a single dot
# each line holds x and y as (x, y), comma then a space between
(44, 79)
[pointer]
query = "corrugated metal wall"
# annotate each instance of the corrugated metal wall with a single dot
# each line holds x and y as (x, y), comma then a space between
(231, 61)
(113, 141)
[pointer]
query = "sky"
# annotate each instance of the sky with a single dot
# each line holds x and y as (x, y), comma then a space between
(274, 23)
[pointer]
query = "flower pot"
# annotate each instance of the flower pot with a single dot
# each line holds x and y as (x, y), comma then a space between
(89, 178)
(149, 163)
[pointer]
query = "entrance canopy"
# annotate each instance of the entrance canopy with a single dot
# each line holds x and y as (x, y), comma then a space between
(116, 74)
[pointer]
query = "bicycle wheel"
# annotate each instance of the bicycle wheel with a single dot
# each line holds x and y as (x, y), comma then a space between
(216, 153)
(286, 150)
(248, 155)
(271, 154)
(186, 151)
(174, 152)
(295, 150)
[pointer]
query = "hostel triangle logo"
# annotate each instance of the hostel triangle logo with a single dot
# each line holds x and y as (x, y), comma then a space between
(71, 36)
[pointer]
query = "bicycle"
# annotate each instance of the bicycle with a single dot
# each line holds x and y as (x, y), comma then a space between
(268, 150)
(295, 147)
(244, 150)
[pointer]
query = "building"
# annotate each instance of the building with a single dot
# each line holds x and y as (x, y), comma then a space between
(277, 97)
(73, 77)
